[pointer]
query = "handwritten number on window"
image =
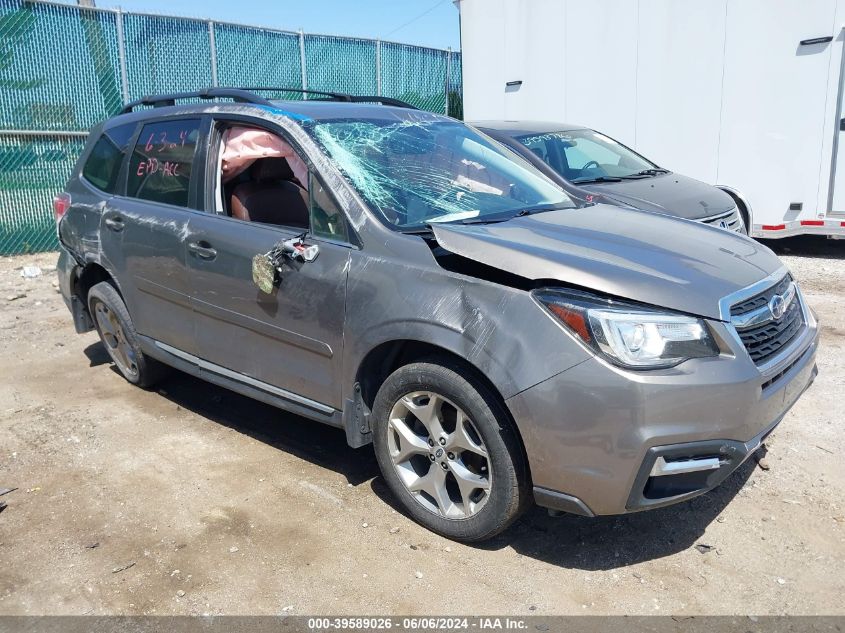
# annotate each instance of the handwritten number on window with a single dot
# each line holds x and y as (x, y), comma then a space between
(163, 143)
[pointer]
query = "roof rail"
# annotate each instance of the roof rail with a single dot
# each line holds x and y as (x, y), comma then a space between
(247, 95)
(339, 96)
(388, 101)
(158, 101)
(328, 96)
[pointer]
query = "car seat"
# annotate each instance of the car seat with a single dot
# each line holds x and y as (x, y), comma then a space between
(271, 196)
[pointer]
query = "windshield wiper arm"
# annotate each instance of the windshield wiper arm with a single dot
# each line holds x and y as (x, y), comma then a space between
(483, 220)
(518, 214)
(597, 179)
(426, 231)
(656, 171)
(552, 206)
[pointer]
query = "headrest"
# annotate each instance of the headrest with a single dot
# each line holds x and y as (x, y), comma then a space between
(271, 169)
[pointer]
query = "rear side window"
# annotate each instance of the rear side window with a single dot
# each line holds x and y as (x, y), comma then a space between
(103, 163)
(161, 163)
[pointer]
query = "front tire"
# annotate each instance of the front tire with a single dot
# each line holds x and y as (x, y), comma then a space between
(449, 451)
(119, 337)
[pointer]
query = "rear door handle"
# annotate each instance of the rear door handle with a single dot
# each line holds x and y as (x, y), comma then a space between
(202, 250)
(115, 223)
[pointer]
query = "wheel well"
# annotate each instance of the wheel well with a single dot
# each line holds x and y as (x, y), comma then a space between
(90, 276)
(383, 360)
(743, 208)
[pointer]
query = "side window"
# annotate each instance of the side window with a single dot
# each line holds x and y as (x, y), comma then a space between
(161, 163)
(103, 163)
(327, 220)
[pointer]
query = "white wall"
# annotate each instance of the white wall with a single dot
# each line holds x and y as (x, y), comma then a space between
(483, 33)
(601, 35)
(716, 89)
(773, 100)
(681, 93)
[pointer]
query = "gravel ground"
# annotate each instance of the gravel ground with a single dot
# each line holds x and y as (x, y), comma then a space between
(191, 499)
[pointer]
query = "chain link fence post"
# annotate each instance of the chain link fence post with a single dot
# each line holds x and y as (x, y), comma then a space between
(121, 56)
(448, 84)
(302, 69)
(378, 68)
(212, 47)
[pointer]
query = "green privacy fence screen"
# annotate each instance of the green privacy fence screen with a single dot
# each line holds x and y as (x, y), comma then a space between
(64, 68)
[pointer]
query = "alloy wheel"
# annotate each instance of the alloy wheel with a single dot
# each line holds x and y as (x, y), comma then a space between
(115, 340)
(439, 455)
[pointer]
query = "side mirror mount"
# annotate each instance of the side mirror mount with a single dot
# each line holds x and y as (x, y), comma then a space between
(297, 249)
(267, 267)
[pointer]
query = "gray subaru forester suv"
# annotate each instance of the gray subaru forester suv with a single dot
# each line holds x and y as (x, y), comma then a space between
(401, 276)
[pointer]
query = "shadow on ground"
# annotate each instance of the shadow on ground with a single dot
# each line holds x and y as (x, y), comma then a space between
(611, 542)
(808, 246)
(96, 354)
(317, 443)
(569, 541)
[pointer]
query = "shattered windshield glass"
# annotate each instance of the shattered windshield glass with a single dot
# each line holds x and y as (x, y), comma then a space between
(426, 169)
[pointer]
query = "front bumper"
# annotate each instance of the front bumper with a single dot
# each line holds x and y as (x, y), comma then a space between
(594, 432)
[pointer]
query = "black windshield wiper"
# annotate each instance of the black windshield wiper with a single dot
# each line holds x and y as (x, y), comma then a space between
(585, 181)
(509, 216)
(485, 220)
(552, 206)
(656, 171)
(426, 231)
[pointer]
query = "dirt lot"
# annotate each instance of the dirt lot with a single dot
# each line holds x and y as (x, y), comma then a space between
(191, 499)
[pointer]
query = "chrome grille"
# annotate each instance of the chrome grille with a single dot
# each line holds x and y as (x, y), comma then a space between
(730, 221)
(758, 301)
(763, 335)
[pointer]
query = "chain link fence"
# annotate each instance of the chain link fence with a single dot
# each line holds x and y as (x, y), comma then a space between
(64, 67)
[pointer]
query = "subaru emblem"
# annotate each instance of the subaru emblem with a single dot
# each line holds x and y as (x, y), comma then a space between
(723, 224)
(777, 306)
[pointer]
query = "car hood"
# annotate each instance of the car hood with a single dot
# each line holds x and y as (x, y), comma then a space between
(645, 257)
(667, 193)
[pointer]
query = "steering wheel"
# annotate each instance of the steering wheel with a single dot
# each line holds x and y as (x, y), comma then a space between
(587, 165)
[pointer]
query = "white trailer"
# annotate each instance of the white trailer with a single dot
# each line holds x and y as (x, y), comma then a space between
(743, 94)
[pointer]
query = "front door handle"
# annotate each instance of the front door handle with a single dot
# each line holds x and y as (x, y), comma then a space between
(115, 223)
(202, 250)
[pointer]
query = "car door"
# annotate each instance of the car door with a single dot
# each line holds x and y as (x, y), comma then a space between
(144, 230)
(288, 342)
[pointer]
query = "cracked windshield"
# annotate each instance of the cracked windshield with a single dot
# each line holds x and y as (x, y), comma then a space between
(416, 172)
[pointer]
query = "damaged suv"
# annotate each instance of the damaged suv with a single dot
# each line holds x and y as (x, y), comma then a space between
(399, 275)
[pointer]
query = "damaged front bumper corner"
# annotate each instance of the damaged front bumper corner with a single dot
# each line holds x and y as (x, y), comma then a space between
(602, 441)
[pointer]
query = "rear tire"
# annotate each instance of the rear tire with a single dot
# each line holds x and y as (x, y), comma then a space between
(448, 450)
(118, 336)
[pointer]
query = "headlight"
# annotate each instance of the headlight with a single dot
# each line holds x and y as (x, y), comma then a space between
(626, 334)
